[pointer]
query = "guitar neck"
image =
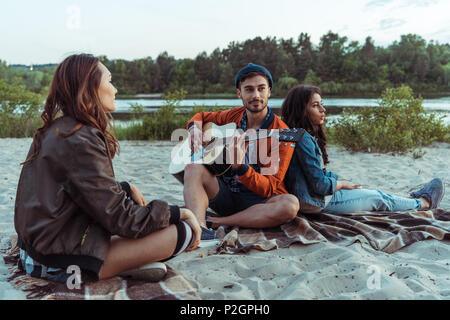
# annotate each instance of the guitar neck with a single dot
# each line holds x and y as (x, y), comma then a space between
(252, 137)
(264, 135)
(291, 135)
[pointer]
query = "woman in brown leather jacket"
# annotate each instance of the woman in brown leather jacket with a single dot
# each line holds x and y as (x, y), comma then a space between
(70, 210)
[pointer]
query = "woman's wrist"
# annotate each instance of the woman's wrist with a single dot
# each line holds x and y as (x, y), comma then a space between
(186, 214)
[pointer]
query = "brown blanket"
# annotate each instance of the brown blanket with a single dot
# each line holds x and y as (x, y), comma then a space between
(383, 231)
(173, 287)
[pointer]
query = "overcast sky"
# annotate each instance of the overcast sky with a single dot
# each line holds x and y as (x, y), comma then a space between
(36, 32)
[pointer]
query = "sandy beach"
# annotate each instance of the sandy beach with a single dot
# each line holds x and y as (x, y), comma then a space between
(318, 271)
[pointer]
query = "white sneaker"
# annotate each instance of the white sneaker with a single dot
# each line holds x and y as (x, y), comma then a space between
(152, 272)
(208, 243)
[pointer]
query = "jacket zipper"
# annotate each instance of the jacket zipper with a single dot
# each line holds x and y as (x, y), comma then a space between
(84, 235)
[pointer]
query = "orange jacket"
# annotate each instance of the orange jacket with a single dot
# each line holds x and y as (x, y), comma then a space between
(263, 185)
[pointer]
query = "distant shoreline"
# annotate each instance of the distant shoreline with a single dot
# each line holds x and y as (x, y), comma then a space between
(334, 106)
(429, 95)
(128, 115)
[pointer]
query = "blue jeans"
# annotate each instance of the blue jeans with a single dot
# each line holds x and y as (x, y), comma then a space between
(345, 201)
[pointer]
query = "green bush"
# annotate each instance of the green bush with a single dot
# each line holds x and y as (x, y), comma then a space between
(311, 78)
(157, 125)
(399, 124)
(283, 85)
(19, 111)
(160, 125)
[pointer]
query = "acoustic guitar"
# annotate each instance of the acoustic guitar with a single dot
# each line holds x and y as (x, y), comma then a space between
(215, 153)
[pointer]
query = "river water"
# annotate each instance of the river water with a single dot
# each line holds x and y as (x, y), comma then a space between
(439, 106)
(123, 105)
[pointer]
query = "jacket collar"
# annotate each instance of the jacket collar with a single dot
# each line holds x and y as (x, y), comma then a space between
(266, 123)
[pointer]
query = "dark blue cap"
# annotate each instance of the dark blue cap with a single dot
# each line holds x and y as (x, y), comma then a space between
(251, 67)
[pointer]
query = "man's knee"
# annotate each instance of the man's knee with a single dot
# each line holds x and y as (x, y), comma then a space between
(197, 174)
(288, 207)
(194, 170)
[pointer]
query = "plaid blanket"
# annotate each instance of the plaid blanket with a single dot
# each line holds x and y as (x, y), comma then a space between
(384, 231)
(173, 287)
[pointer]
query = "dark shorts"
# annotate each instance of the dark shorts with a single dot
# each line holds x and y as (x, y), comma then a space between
(227, 202)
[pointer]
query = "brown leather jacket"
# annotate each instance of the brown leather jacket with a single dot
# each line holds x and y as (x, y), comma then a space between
(68, 203)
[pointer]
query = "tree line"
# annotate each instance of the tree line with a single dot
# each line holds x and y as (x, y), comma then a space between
(338, 65)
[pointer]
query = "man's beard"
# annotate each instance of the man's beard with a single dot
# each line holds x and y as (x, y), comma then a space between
(255, 109)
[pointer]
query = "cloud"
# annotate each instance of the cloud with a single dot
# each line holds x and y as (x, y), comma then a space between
(442, 34)
(423, 3)
(401, 3)
(390, 23)
(377, 3)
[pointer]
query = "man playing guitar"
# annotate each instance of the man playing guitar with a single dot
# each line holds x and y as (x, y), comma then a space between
(243, 196)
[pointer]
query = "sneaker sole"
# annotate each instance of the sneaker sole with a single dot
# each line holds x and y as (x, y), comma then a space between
(208, 243)
(152, 272)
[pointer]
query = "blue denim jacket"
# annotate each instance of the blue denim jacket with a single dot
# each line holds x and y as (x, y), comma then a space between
(305, 177)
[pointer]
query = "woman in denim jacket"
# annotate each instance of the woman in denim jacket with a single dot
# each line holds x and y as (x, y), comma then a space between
(320, 190)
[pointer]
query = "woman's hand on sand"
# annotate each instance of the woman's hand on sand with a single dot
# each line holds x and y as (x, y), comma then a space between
(347, 185)
(137, 195)
(188, 216)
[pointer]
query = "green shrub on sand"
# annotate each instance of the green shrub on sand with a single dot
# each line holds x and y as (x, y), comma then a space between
(19, 111)
(398, 125)
(159, 125)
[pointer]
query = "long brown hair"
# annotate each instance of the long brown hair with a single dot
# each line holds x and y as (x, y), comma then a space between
(74, 92)
(295, 115)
